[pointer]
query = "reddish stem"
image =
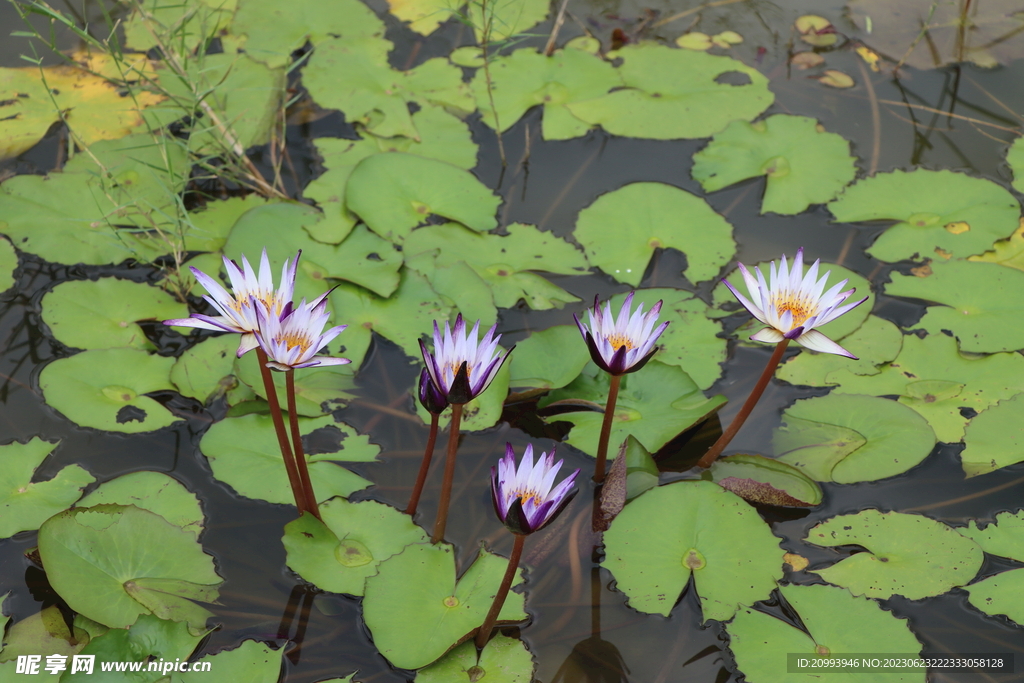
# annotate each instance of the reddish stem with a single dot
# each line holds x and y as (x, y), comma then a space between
(606, 428)
(449, 474)
(421, 478)
(484, 634)
(282, 435)
(300, 455)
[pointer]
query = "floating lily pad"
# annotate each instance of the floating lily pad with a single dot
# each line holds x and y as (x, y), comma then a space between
(393, 193)
(503, 660)
(462, 288)
(803, 163)
(527, 78)
(995, 438)
(874, 343)
(403, 318)
(1001, 593)
(252, 662)
(244, 453)
(908, 555)
(815, 30)
(931, 376)
(105, 389)
(763, 480)
(101, 314)
(416, 610)
(654, 405)
(761, 641)
(504, 262)
(1015, 160)
(317, 389)
(673, 94)
(993, 32)
(893, 438)
(934, 210)
(1004, 537)
(45, 631)
(698, 528)
(423, 16)
(90, 104)
(981, 306)
(506, 20)
(339, 553)
(621, 230)
(24, 504)
(549, 359)
(8, 264)
(157, 492)
(114, 563)
(1008, 252)
(189, 22)
(274, 31)
(205, 370)
(694, 41)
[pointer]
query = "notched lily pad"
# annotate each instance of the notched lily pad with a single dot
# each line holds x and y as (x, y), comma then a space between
(45, 631)
(763, 480)
(157, 492)
(549, 359)
(803, 164)
(503, 660)
(8, 264)
(204, 371)
(1015, 160)
(876, 342)
(995, 438)
(695, 527)
(1002, 593)
(339, 553)
(908, 555)
(25, 504)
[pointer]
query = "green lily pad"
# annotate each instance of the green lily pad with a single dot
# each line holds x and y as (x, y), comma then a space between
(374, 95)
(994, 438)
(980, 303)
(46, 632)
(464, 290)
(875, 342)
(504, 262)
(101, 314)
(403, 318)
(318, 390)
(105, 389)
(1015, 160)
(1004, 537)
(189, 22)
(26, 504)
(690, 341)
(205, 371)
(1008, 252)
(764, 480)
(362, 258)
(909, 555)
(416, 610)
(274, 31)
(503, 660)
(931, 376)
(244, 454)
(760, 641)
(393, 193)
(672, 94)
(621, 229)
(157, 492)
(936, 212)
(209, 229)
(251, 662)
(114, 563)
(695, 527)
(804, 164)
(549, 359)
(8, 264)
(654, 405)
(838, 328)
(893, 438)
(1001, 593)
(339, 553)
(508, 20)
(526, 78)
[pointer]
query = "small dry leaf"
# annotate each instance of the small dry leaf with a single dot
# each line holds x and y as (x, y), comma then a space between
(806, 60)
(958, 228)
(796, 562)
(922, 271)
(760, 492)
(727, 39)
(694, 41)
(869, 56)
(817, 31)
(613, 492)
(836, 79)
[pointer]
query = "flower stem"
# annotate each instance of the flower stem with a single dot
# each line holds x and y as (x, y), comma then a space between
(484, 634)
(606, 428)
(282, 435)
(449, 473)
(421, 478)
(300, 455)
(741, 417)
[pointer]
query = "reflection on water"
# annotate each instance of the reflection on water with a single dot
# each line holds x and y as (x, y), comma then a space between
(581, 630)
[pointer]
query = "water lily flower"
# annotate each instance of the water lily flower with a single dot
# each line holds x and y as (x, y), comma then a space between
(793, 305)
(292, 339)
(524, 498)
(624, 344)
(461, 367)
(238, 309)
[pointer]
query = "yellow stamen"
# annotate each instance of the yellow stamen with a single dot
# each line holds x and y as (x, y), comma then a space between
(526, 496)
(619, 340)
(799, 305)
(455, 365)
(294, 339)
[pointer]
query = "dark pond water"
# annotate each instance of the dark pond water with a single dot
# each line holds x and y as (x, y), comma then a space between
(890, 124)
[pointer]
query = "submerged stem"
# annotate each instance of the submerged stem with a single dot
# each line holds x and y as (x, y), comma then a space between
(282, 435)
(484, 634)
(300, 455)
(741, 417)
(449, 473)
(421, 478)
(606, 428)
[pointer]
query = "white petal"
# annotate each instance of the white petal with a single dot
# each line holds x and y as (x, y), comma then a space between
(816, 341)
(768, 334)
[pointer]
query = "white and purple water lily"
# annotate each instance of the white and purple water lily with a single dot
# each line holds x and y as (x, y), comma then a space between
(623, 344)
(793, 305)
(291, 340)
(238, 309)
(525, 499)
(462, 366)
